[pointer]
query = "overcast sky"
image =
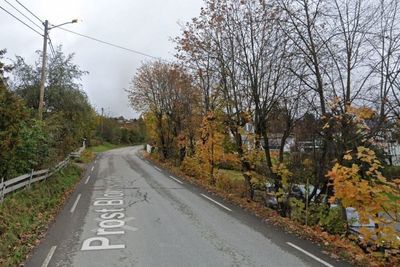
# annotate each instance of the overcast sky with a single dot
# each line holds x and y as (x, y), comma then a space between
(143, 25)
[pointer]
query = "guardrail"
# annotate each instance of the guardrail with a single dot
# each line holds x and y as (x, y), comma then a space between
(26, 180)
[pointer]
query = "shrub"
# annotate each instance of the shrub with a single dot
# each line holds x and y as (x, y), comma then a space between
(333, 222)
(192, 167)
(86, 156)
(297, 210)
(330, 219)
(231, 186)
(229, 162)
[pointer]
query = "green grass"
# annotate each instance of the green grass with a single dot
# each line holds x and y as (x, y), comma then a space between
(86, 157)
(391, 172)
(25, 215)
(232, 174)
(104, 147)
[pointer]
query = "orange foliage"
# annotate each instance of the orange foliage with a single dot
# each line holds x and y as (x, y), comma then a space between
(363, 187)
(210, 149)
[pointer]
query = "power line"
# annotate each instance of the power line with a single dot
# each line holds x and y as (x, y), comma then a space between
(29, 11)
(76, 33)
(113, 45)
(52, 48)
(23, 14)
(8, 12)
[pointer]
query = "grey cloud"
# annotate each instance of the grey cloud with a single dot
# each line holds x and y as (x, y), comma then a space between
(143, 25)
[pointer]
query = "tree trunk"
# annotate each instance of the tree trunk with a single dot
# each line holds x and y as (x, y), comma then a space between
(246, 167)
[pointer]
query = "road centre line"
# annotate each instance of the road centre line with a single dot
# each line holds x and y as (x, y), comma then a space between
(87, 180)
(175, 179)
(75, 203)
(309, 254)
(48, 258)
(216, 202)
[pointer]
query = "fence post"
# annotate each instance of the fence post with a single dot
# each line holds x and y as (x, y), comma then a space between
(2, 190)
(30, 179)
(46, 175)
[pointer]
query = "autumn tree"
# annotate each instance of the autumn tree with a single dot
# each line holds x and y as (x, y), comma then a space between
(296, 66)
(166, 91)
(210, 149)
(359, 183)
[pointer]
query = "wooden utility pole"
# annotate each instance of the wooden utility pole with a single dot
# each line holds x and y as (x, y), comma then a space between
(43, 74)
(44, 62)
(102, 120)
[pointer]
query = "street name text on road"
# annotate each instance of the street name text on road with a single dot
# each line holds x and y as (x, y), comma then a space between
(111, 223)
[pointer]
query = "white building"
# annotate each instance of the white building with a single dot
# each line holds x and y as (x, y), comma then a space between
(392, 148)
(274, 139)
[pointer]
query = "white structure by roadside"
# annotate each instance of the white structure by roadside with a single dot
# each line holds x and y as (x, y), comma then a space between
(393, 151)
(274, 139)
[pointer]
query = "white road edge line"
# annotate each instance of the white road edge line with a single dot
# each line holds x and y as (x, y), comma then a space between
(158, 169)
(48, 258)
(87, 180)
(175, 179)
(92, 168)
(309, 254)
(216, 202)
(75, 203)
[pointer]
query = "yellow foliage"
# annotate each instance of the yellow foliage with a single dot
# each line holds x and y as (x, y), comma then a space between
(191, 166)
(210, 150)
(282, 171)
(151, 127)
(229, 185)
(362, 113)
(347, 157)
(369, 193)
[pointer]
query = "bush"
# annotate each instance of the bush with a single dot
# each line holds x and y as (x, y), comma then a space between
(297, 210)
(23, 141)
(229, 162)
(330, 219)
(231, 186)
(86, 156)
(333, 222)
(192, 167)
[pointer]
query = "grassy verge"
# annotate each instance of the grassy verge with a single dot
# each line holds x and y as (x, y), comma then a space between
(232, 174)
(104, 147)
(86, 157)
(26, 214)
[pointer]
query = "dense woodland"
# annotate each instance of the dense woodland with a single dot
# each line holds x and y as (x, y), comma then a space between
(27, 143)
(252, 74)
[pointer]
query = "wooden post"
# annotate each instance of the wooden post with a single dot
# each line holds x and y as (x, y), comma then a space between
(307, 185)
(30, 179)
(2, 190)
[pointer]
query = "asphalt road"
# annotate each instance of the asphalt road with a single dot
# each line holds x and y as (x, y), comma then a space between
(127, 212)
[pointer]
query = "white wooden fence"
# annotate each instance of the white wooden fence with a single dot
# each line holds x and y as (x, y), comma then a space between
(26, 180)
